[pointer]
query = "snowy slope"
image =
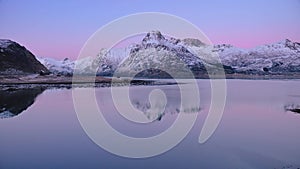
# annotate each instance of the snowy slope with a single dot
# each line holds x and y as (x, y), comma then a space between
(62, 67)
(4, 43)
(167, 54)
(278, 58)
(6, 114)
(104, 64)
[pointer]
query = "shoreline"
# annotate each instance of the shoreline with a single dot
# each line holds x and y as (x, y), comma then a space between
(69, 80)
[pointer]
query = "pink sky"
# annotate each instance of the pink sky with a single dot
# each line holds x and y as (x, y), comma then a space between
(59, 29)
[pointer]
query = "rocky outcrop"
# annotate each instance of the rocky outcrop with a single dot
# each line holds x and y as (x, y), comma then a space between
(16, 59)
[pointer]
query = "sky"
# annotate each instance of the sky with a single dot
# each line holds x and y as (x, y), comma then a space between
(59, 29)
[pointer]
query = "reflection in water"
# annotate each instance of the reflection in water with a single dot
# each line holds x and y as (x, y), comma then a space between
(155, 107)
(254, 131)
(14, 101)
(17, 98)
(146, 108)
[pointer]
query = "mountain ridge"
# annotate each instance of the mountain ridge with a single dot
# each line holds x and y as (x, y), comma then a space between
(279, 58)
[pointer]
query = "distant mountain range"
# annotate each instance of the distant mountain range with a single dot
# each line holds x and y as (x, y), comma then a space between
(277, 58)
(155, 51)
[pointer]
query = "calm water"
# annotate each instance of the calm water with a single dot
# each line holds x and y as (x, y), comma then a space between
(255, 131)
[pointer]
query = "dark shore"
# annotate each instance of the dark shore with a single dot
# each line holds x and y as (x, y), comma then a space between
(263, 77)
(50, 79)
(283, 76)
(69, 80)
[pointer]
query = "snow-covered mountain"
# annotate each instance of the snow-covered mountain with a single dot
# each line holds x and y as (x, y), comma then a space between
(63, 67)
(105, 63)
(155, 50)
(277, 58)
(156, 55)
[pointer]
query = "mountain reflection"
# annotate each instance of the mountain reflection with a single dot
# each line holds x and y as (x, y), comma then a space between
(14, 101)
(146, 108)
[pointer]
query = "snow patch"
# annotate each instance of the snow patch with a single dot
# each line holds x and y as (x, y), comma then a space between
(6, 114)
(4, 43)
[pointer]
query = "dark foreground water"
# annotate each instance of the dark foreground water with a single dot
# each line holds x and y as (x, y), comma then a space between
(41, 129)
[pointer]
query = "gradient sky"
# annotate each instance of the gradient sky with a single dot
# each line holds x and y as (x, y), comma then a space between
(58, 29)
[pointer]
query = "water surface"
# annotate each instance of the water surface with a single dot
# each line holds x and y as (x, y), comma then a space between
(255, 131)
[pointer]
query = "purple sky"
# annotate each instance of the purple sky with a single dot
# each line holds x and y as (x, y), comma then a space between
(60, 28)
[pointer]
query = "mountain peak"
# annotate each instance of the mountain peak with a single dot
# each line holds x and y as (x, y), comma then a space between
(284, 41)
(288, 44)
(16, 59)
(287, 40)
(4, 43)
(153, 36)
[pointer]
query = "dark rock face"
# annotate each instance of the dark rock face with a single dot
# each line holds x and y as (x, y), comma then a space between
(295, 110)
(16, 59)
(292, 45)
(153, 73)
(193, 42)
(292, 108)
